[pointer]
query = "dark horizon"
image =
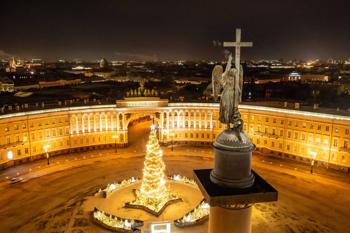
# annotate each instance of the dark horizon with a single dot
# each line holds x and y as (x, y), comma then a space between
(156, 30)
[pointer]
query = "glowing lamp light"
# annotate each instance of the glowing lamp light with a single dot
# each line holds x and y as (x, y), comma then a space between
(46, 148)
(153, 127)
(177, 177)
(10, 155)
(313, 154)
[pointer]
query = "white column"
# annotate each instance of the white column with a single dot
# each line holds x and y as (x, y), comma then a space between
(112, 121)
(178, 120)
(205, 119)
(95, 122)
(194, 119)
(89, 126)
(106, 117)
(83, 123)
(76, 124)
(100, 121)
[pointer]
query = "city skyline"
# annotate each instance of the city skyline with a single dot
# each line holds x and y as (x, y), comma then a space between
(173, 31)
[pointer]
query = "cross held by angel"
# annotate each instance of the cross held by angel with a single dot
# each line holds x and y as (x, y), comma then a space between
(231, 81)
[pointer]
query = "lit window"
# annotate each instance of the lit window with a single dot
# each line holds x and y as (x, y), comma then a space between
(325, 140)
(310, 138)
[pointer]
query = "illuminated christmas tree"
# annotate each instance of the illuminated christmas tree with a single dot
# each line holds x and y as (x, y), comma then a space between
(154, 193)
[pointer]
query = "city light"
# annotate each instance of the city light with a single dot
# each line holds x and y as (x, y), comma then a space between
(46, 149)
(9, 155)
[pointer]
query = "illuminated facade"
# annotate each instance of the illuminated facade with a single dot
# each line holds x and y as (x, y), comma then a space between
(285, 133)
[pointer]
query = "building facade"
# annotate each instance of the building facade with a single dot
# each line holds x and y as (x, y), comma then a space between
(286, 133)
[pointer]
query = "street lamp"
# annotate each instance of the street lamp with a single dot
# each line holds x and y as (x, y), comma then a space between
(115, 137)
(313, 155)
(46, 149)
(10, 155)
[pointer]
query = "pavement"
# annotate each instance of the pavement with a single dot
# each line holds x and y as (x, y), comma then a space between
(51, 197)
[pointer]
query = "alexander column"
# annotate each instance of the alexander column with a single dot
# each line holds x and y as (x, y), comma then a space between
(232, 187)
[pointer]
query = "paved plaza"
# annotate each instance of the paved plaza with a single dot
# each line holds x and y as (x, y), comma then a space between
(51, 197)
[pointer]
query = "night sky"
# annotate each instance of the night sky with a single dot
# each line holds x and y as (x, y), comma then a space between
(171, 30)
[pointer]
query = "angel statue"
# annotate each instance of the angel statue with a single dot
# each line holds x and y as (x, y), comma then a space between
(231, 82)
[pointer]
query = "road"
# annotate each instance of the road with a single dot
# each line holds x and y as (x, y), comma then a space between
(50, 199)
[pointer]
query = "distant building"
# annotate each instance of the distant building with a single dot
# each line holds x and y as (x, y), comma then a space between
(59, 83)
(35, 62)
(315, 78)
(104, 63)
(14, 65)
(295, 76)
(6, 85)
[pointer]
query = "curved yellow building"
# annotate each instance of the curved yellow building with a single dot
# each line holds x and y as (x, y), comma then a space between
(285, 133)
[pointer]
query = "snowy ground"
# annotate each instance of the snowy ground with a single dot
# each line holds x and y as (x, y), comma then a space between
(53, 202)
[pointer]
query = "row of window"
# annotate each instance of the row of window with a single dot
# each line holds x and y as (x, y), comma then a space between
(302, 124)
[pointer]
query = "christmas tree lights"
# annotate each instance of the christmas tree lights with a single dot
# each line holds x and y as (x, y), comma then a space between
(154, 194)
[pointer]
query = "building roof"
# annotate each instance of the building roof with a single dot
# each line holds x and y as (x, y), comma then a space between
(6, 80)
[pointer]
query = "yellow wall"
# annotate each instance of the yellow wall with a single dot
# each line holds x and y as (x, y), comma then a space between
(289, 133)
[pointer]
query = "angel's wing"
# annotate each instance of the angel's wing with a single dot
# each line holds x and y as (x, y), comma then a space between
(216, 77)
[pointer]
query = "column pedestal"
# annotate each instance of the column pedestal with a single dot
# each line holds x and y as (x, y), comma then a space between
(232, 187)
(230, 220)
